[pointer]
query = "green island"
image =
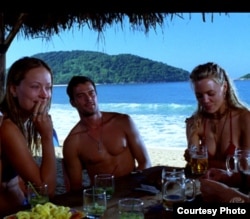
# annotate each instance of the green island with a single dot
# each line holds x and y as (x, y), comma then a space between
(110, 69)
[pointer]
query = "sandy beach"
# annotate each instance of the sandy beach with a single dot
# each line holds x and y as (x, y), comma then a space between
(158, 156)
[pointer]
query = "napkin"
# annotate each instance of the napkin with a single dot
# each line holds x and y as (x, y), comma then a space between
(147, 188)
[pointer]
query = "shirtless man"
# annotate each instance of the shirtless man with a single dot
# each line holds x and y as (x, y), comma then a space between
(101, 142)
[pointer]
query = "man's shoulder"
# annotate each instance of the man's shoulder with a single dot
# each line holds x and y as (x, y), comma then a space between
(73, 133)
(115, 115)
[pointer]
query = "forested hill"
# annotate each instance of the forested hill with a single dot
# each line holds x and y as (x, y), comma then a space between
(104, 68)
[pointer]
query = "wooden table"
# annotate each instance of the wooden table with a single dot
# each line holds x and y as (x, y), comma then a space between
(124, 187)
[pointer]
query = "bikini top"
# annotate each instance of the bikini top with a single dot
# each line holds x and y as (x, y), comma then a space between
(231, 147)
(8, 171)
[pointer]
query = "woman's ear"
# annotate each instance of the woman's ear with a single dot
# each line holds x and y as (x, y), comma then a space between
(225, 87)
(13, 90)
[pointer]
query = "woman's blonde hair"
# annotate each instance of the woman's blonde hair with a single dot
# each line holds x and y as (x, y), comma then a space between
(214, 72)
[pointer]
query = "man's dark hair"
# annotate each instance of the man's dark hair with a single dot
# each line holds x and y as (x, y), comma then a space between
(74, 81)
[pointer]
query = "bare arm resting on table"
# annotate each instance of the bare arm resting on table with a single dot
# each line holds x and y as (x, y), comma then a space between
(213, 191)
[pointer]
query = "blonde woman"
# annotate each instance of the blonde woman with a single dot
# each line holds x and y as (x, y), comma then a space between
(221, 121)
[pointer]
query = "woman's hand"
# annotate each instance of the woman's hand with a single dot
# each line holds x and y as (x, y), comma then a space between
(213, 191)
(217, 175)
(223, 176)
(42, 120)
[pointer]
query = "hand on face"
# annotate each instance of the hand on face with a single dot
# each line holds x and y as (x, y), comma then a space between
(41, 118)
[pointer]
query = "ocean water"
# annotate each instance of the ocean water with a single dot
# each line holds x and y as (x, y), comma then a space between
(159, 110)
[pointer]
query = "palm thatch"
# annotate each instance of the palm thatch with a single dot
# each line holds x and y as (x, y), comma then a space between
(46, 24)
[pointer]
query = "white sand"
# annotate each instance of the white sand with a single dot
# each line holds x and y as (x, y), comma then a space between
(158, 156)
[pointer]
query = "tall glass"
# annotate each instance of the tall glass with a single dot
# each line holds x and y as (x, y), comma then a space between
(37, 194)
(94, 202)
(131, 208)
(105, 182)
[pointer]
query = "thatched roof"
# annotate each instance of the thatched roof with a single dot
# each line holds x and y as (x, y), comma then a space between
(32, 24)
(48, 24)
(44, 25)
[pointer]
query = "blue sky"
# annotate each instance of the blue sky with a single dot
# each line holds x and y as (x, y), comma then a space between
(182, 43)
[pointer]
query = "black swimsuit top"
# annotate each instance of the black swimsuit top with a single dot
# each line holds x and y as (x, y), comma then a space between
(8, 171)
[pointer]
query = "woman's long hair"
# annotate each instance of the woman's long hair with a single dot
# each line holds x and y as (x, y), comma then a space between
(216, 73)
(10, 106)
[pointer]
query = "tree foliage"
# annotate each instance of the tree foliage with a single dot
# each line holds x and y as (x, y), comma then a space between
(104, 68)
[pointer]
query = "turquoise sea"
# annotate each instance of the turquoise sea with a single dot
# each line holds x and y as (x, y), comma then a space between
(159, 110)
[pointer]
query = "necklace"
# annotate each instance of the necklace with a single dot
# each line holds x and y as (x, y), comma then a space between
(214, 128)
(98, 140)
(215, 116)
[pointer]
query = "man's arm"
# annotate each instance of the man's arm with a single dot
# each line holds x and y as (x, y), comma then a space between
(137, 145)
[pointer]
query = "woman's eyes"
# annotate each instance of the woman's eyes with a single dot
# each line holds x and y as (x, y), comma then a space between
(210, 94)
(49, 88)
(35, 86)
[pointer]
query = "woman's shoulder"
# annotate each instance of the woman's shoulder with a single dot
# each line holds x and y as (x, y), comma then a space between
(242, 113)
(194, 120)
(8, 125)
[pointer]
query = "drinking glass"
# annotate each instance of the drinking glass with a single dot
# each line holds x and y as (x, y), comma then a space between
(232, 161)
(243, 164)
(199, 159)
(37, 194)
(177, 189)
(131, 208)
(240, 162)
(94, 202)
(164, 174)
(105, 182)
